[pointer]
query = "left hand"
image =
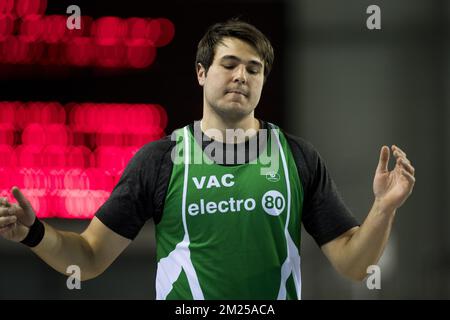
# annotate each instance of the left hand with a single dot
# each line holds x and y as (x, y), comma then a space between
(392, 188)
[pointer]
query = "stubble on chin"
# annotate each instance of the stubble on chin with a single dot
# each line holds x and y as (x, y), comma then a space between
(232, 112)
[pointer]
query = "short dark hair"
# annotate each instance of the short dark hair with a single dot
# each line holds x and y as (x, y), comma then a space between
(234, 28)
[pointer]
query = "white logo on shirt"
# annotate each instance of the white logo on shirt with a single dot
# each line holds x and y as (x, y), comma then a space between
(273, 202)
(226, 181)
(273, 177)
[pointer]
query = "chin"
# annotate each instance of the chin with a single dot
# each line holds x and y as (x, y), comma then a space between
(233, 111)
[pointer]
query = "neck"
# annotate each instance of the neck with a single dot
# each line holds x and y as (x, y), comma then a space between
(230, 131)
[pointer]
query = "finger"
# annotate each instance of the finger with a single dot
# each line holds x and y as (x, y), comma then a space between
(5, 212)
(406, 165)
(400, 151)
(406, 160)
(402, 161)
(410, 177)
(6, 221)
(15, 209)
(384, 159)
(398, 155)
(23, 202)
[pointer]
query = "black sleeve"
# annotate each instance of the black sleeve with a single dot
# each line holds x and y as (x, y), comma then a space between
(325, 215)
(132, 201)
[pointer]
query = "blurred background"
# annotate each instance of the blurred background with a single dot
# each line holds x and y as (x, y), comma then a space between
(92, 97)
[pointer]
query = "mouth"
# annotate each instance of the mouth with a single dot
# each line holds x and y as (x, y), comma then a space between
(237, 92)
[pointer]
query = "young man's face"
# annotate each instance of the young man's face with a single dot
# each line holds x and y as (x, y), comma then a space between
(233, 84)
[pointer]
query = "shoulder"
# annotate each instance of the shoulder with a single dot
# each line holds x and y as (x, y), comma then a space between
(302, 144)
(305, 154)
(296, 143)
(153, 152)
(156, 148)
(303, 150)
(309, 164)
(146, 162)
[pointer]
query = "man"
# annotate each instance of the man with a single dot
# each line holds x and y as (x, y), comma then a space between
(224, 229)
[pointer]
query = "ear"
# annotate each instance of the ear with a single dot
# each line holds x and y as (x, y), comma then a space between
(201, 74)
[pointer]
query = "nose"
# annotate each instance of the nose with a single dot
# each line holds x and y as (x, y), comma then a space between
(240, 74)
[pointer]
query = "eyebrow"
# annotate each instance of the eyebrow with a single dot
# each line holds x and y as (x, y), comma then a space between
(231, 57)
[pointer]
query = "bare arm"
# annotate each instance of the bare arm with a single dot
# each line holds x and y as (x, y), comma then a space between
(360, 247)
(93, 250)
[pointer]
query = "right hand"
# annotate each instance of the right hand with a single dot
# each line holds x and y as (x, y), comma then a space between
(16, 219)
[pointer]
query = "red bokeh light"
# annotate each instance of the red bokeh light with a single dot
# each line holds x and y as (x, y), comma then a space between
(57, 134)
(54, 164)
(163, 119)
(110, 55)
(84, 31)
(109, 158)
(6, 134)
(29, 156)
(80, 51)
(6, 25)
(7, 157)
(8, 112)
(166, 33)
(54, 156)
(14, 50)
(109, 30)
(55, 54)
(32, 27)
(29, 37)
(140, 53)
(138, 28)
(54, 28)
(79, 157)
(29, 7)
(34, 134)
(5, 181)
(6, 6)
(40, 112)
